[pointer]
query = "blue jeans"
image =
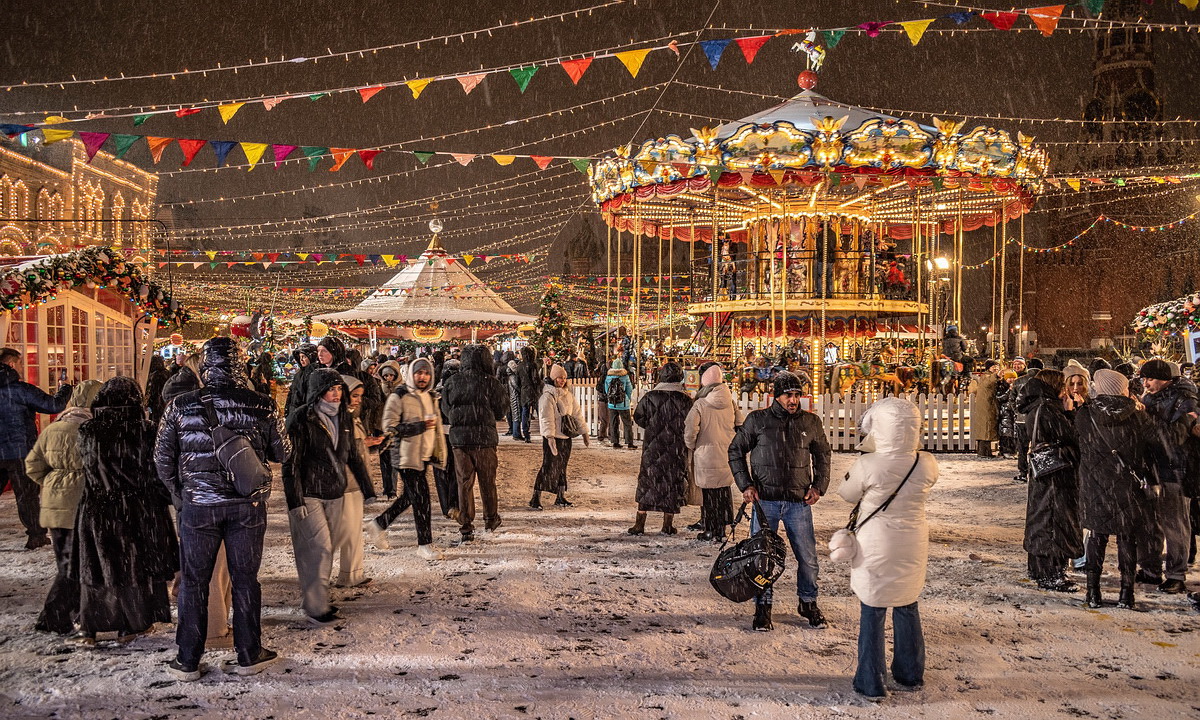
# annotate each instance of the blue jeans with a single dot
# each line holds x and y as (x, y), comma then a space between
(908, 652)
(798, 524)
(202, 528)
(522, 432)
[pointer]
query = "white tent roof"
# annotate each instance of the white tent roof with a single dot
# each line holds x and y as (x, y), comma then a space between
(802, 110)
(436, 288)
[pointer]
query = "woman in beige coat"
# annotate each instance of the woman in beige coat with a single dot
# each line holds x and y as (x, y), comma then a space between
(707, 432)
(889, 569)
(57, 466)
(985, 412)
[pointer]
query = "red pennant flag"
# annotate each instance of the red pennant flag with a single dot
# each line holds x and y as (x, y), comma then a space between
(1000, 20)
(576, 68)
(92, 142)
(273, 256)
(1046, 18)
(157, 145)
(541, 160)
(368, 157)
(751, 45)
(190, 148)
(281, 152)
(360, 259)
(368, 93)
(184, 112)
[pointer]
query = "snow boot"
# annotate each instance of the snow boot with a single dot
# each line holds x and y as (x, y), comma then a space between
(1125, 599)
(762, 618)
(813, 614)
(639, 524)
(1093, 589)
(668, 527)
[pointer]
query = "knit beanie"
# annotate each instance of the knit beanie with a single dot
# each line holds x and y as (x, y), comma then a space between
(786, 382)
(713, 375)
(557, 371)
(1110, 382)
(1157, 369)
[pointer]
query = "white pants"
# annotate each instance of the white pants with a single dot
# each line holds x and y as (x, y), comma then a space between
(312, 542)
(348, 541)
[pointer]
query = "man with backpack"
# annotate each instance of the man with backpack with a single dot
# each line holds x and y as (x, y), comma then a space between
(618, 391)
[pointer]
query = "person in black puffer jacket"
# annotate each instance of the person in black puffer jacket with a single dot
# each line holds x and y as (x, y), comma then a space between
(1022, 432)
(529, 389)
(474, 401)
(314, 480)
(662, 478)
(305, 358)
(210, 508)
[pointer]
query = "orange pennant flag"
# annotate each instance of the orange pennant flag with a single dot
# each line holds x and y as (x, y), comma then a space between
(632, 60)
(369, 92)
(576, 68)
(253, 152)
(542, 161)
(228, 111)
(417, 86)
(340, 156)
(157, 145)
(1046, 18)
(504, 159)
(469, 82)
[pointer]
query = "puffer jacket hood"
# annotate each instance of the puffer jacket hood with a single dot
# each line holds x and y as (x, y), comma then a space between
(1113, 409)
(891, 425)
(319, 382)
(84, 394)
(419, 363)
(476, 358)
(220, 365)
(308, 350)
(335, 347)
(393, 366)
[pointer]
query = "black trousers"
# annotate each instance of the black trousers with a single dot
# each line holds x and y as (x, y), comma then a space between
(1126, 555)
(416, 495)
(446, 482)
(1022, 450)
(29, 505)
(387, 472)
(62, 602)
(716, 509)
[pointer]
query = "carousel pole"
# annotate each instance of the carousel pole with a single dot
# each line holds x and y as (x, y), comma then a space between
(958, 258)
(995, 285)
(712, 251)
(1021, 286)
(692, 288)
(671, 279)
(608, 299)
(1003, 332)
(636, 298)
(658, 309)
(819, 359)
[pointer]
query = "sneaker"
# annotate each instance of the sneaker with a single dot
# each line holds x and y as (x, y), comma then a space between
(762, 618)
(1020, 479)
(376, 535)
(427, 552)
(185, 673)
(1172, 587)
(1147, 578)
(563, 502)
(265, 659)
(328, 618)
(813, 613)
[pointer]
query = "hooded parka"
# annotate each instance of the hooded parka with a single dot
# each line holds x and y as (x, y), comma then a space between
(709, 428)
(404, 419)
(56, 464)
(1110, 496)
(317, 465)
(662, 478)
(475, 400)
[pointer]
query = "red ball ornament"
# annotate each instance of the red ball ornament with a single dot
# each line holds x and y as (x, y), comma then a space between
(807, 80)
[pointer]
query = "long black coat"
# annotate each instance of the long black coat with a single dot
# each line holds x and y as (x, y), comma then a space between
(662, 478)
(1111, 499)
(1052, 505)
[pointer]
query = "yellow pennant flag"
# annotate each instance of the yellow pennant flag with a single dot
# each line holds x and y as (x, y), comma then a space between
(1189, 4)
(504, 159)
(389, 260)
(417, 86)
(915, 29)
(53, 136)
(228, 111)
(253, 152)
(1074, 184)
(467, 259)
(632, 60)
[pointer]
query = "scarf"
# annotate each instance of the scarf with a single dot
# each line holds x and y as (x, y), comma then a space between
(328, 413)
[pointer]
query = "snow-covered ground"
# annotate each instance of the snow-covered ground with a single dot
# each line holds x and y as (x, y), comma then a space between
(560, 614)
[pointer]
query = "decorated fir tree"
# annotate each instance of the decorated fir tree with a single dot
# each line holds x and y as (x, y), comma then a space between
(551, 332)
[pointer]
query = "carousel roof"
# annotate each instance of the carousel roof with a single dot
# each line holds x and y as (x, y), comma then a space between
(803, 111)
(437, 289)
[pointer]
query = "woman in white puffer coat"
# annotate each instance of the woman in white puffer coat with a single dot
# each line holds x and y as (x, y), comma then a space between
(889, 569)
(709, 428)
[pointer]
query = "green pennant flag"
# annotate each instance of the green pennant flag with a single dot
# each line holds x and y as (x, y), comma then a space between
(317, 96)
(212, 266)
(523, 75)
(124, 142)
(581, 164)
(314, 154)
(832, 37)
(938, 183)
(714, 173)
(1094, 6)
(1119, 181)
(422, 157)
(139, 119)
(835, 180)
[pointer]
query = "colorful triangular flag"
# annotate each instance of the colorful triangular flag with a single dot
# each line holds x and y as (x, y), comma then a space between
(915, 29)
(139, 119)
(422, 157)
(270, 103)
(633, 59)
(340, 156)
(832, 37)
(417, 86)
(542, 161)
(523, 75)
(576, 68)
(190, 148)
(314, 154)
(92, 142)
(463, 159)
(157, 145)
(369, 92)
(281, 152)
(581, 164)
(1046, 18)
(751, 45)
(228, 111)
(469, 82)
(253, 151)
(368, 157)
(713, 50)
(123, 143)
(1000, 20)
(184, 112)
(872, 29)
(504, 159)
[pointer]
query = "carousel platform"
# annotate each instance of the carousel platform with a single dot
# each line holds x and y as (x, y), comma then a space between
(811, 305)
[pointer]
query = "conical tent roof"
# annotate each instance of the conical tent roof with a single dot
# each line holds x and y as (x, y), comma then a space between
(802, 110)
(436, 289)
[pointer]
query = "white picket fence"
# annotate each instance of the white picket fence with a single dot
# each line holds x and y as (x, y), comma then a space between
(946, 419)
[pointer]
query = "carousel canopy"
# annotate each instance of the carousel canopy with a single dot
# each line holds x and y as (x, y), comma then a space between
(436, 290)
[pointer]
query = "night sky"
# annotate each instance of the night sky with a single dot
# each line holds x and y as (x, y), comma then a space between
(966, 74)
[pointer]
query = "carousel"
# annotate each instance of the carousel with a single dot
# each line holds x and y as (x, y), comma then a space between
(828, 231)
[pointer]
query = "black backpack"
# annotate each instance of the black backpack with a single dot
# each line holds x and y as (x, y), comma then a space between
(615, 393)
(743, 571)
(235, 454)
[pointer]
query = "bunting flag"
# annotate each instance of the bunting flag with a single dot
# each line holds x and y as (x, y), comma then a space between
(369, 92)
(964, 16)
(713, 50)
(184, 112)
(270, 103)
(860, 181)
(417, 86)
(576, 68)
(463, 159)
(504, 159)
(872, 29)
(1000, 20)
(139, 119)
(368, 157)
(1046, 18)
(252, 151)
(1189, 4)
(422, 157)
(52, 136)
(281, 152)
(317, 96)
(1074, 183)
(523, 75)
(915, 29)
(190, 148)
(673, 46)
(92, 142)
(157, 145)
(542, 161)
(581, 165)
(469, 82)
(228, 111)
(314, 154)
(123, 143)
(832, 37)
(751, 45)
(340, 156)
(633, 59)
(467, 259)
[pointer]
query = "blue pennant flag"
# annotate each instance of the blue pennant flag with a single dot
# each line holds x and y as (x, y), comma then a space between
(222, 148)
(960, 18)
(713, 50)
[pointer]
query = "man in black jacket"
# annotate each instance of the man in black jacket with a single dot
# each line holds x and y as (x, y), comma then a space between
(211, 510)
(788, 472)
(474, 401)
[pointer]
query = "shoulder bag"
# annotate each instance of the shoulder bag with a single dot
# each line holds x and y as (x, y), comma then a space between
(235, 454)
(751, 566)
(843, 546)
(1044, 457)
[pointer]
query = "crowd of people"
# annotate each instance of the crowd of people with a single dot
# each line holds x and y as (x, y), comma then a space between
(143, 496)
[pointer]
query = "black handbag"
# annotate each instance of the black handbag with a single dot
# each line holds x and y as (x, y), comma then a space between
(569, 425)
(1044, 457)
(743, 571)
(236, 454)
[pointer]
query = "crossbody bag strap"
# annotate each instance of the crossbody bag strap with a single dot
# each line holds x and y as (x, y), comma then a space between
(892, 497)
(210, 413)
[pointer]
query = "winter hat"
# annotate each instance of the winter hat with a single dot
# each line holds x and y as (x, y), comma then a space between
(786, 382)
(1157, 369)
(1125, 369)
(351, 383)
(1110, 382)
(618, 365)
(335, 347)
(713, 375)
(1099, 364)
(1019, 359)
(1174, 369)
(557, 371)
(1036, 364)
(1074, 368)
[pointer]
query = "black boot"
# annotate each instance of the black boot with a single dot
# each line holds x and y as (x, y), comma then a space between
(536, 502)
(1125, 599)
(762, 617)
(1093, 589)
(668, 527)
(813, 614)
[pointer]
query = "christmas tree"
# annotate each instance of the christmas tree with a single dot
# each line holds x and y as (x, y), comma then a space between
(551, 331)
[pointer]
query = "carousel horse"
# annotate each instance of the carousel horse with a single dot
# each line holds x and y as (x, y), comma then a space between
(848, 378)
